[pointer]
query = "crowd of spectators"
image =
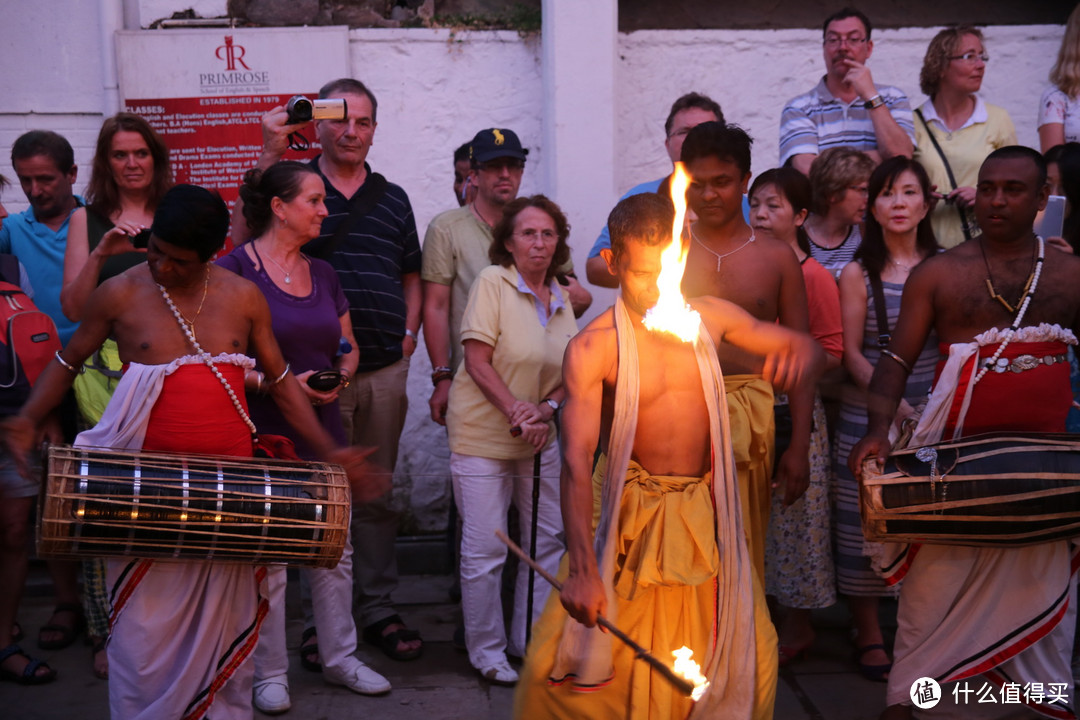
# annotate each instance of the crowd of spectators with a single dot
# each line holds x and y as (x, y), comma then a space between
(866, 191)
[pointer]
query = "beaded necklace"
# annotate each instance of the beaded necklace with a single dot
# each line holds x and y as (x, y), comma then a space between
(1025, 301)
(189, 331)
(994, 295)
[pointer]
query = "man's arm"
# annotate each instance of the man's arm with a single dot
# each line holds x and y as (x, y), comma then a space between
(580, 298)
(596, 268)
(275, 134)
(596, 271)
(892, 138)
(437, 339)
(798, 137)
(791, 358)
(414, 307)
(793, 467)
(22, 430)
(584, 365)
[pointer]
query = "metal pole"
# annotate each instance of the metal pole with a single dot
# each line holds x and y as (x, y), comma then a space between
(532, 546)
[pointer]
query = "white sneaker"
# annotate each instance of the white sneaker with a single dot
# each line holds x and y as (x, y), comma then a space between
(271, 697)
(359, 678)
(499, 674)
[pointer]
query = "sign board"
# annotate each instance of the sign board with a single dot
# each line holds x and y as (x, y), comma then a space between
(205, 90)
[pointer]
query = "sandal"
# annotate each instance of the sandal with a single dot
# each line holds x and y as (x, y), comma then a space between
(874, 673)
(97, 645)
(309, 651)
(388, 642)
(29, 674)
(68, 633)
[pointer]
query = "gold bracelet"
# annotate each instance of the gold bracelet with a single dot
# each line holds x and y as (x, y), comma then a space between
(897, 358)
(67, 366)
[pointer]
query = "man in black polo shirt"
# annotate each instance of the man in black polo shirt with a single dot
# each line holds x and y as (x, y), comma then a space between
(370, 238)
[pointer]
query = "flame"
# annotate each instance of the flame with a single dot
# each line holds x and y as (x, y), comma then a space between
(671, 314)
(691, 671)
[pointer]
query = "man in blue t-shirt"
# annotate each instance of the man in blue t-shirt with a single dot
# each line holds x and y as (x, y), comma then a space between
(45, 165)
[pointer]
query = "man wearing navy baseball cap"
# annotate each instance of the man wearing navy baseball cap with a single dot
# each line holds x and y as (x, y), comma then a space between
(456, 250)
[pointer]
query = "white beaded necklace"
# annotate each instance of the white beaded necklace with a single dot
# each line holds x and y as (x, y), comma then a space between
(189, 330)
(1019, 314)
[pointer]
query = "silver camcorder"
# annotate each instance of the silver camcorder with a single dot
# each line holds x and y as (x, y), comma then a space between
(300, 109)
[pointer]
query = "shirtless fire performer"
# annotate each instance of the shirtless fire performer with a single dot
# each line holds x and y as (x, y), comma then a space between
(182, 632)
(671, 566)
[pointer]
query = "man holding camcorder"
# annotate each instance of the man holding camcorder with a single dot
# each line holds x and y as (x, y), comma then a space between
(370, 238)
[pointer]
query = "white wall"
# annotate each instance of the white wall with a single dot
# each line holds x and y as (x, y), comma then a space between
(436, 88)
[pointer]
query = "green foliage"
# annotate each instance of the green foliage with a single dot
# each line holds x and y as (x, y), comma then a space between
(523, 18)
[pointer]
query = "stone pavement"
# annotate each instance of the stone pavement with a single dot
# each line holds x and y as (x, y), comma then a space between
(441, 684)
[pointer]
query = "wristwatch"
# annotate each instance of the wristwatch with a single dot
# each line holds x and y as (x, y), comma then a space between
(874, 102)
(554, 405)
(410, 333)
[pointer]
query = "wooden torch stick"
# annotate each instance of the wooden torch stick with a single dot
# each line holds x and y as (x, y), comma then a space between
(681, 684)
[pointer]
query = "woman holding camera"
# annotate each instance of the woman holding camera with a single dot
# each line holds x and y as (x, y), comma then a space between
(129, 176)
(284, 209)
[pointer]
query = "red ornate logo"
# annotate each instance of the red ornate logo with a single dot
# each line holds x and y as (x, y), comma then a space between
(234, 54)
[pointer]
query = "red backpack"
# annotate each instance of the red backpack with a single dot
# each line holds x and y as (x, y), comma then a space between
(28, 340)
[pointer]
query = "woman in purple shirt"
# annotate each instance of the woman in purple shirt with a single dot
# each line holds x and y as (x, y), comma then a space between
(284, 209)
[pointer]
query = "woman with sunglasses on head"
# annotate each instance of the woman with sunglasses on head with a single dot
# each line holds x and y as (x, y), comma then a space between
(284, 209)
(898, 236)
(955, 130)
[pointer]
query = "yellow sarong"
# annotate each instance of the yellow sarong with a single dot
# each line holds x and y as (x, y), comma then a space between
(722, 617)
(666, 594)
(750, 409)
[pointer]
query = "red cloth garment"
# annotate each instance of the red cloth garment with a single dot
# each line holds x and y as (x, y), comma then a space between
(1036, 400)
(194, 413)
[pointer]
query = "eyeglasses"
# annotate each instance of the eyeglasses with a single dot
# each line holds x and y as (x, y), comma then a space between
(531, 234)
(861, 189)
(511, 164)
(834, 41)
(971, 57)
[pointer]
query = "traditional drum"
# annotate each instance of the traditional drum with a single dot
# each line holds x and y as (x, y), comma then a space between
(107, 503)
(997, 489)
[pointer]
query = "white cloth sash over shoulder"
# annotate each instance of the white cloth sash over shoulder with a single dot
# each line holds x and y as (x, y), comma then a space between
(730, 662)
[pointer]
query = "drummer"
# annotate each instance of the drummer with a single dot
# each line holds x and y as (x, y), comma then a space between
(160, 313)
(1005, 297)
